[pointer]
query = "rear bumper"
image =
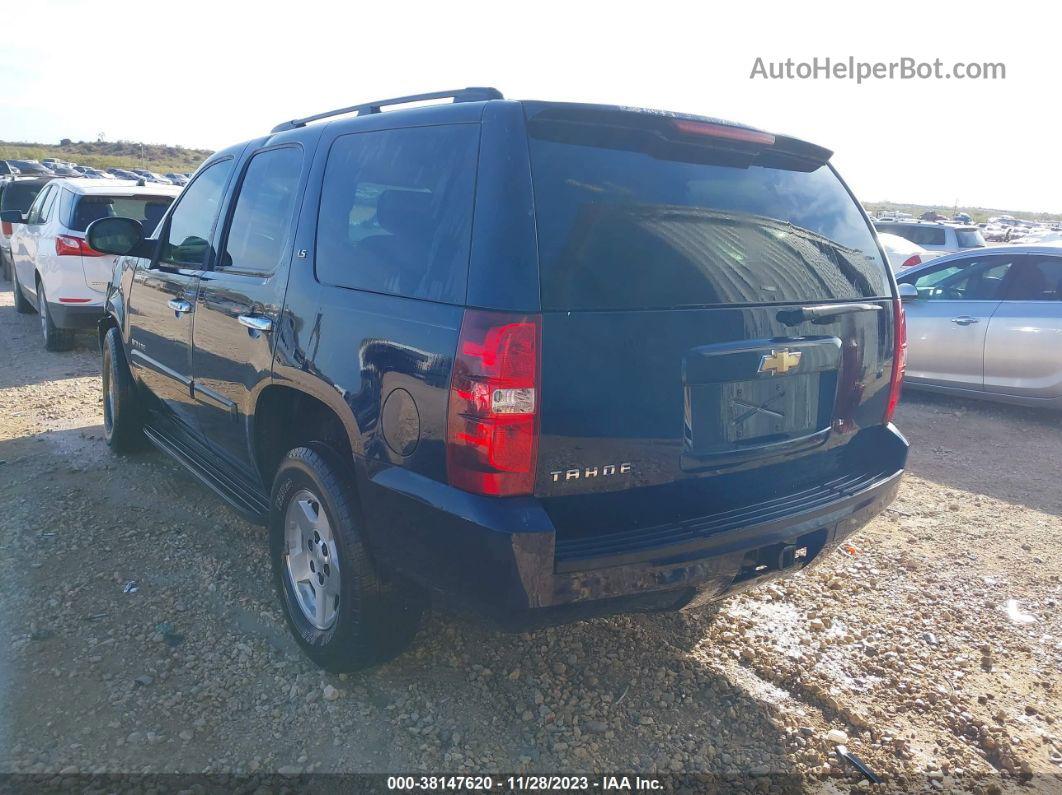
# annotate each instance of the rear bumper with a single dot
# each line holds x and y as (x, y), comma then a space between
(501, 558)
(75, 317)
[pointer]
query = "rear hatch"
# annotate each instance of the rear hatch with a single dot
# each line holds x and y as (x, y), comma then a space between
(84, 209)
(718, 322)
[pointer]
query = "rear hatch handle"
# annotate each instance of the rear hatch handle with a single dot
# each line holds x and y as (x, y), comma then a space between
(822, 313)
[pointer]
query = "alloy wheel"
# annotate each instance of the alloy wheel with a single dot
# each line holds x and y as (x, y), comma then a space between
(310, 559)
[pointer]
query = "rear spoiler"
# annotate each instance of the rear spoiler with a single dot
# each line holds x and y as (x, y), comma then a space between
(669, 135)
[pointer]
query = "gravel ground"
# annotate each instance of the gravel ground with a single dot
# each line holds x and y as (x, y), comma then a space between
(142, 633)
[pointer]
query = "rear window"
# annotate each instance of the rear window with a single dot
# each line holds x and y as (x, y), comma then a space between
(970, 238)
(396, 211)
(86, 209)
(20, 195)
(619, 228)
(919, 235)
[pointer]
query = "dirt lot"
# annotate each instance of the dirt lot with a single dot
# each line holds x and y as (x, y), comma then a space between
(904, 643)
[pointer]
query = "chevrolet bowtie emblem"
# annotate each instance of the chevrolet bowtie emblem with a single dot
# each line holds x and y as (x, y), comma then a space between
(779, 362)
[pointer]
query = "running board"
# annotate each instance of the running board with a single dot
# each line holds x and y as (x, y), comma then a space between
(250, 504)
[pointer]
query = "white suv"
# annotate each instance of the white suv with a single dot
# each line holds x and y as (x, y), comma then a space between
(940, 238)
(54, 270)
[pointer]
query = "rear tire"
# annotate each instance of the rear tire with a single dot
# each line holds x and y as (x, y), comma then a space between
(22, 304)
(123, 423)
(55, 338)
(5, 268)
(342, 613)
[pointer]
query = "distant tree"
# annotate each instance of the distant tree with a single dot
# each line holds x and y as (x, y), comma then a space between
(65, 142)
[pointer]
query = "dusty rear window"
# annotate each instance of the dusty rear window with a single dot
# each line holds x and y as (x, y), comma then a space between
(621, 228)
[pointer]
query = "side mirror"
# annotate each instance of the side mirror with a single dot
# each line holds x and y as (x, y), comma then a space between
(907, 291)
(115, 235)
(12, 217)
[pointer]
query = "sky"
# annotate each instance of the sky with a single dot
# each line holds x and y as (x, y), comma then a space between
(209, 74)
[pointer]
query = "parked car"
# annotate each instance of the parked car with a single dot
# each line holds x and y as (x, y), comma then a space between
(64, 171)
(55, 271)
(8, 170)
(550, 360)
(941, 238)
(987, 324)
(901, 252)
(121, 173)
(15, 194)
(151, 176)
(177, 179)
(31, 168)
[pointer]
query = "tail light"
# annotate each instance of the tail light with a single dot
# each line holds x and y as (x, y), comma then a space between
(5, 227)
(74, 246)
(899, 359)
(914, 259)
(492, 422)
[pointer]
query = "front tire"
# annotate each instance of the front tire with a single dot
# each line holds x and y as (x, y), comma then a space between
(55, 338)
(123, 423)
(342, 613)
(22, 304)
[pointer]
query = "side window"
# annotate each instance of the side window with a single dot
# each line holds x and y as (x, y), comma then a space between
(974, 279)
(925, 235)
(259, 232)
(186, 241)
(47, 207)
(33, 215)
(1037, 278)
(396, 211)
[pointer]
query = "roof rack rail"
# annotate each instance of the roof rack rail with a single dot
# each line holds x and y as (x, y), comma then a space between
(470, 94)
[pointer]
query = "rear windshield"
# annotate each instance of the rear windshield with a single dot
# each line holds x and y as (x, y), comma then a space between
(970, 238)
(624, 229)
(83, 210)
(20, 195)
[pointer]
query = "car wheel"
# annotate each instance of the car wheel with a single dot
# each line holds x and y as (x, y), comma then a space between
(123, 422)
(22, 304)
(55, 338)
(343, 613)
(5, 269)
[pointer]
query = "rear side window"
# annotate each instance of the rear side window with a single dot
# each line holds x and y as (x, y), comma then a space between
(259, 232)
(1037, 278)
(921, 235)
(969, 238)
(84, 210)
(396, 211)
(620, 228)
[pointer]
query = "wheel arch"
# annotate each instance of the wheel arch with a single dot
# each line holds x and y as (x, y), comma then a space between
(285, 416)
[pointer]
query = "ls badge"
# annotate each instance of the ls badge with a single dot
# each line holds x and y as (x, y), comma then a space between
(779, 362)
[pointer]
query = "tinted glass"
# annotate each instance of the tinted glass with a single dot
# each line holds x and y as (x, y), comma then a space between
(188, 235)
(974, 279)
(261, 223)
(20, 195)
(1037, 278)
(146, 209)
(969, 238)
(396, 211)
(919, 235)
(621, 229)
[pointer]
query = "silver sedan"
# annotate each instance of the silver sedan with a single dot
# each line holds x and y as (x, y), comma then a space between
(987, 324)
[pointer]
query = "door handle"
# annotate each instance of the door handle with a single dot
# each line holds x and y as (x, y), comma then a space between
(179, 306)
(256, 322)
(964, 320)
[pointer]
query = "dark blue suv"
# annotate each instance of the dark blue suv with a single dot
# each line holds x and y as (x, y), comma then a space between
(544, 360)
